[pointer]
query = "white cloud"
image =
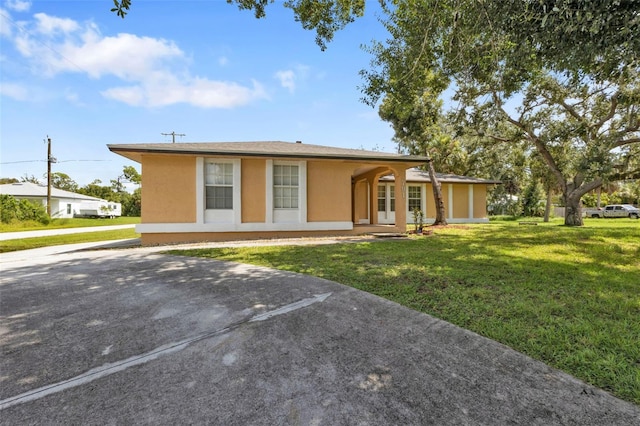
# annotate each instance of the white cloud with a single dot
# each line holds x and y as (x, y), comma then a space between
(287, 79)
(15, 91)
(18, 5)
(50, 25)
(167, 90)
(154, 69)
(223, 61)
(5, 23)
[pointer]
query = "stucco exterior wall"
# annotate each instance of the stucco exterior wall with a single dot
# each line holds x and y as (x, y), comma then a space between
(253, 193)
(328, 191)
(479, 201)
(360, 203)
(460, 201)
(168, 189)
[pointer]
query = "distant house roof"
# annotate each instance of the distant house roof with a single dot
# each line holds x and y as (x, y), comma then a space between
(32, 190)
(260, 149)
(416, 175)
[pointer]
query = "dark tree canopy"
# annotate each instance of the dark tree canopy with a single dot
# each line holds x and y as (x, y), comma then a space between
(572, 95)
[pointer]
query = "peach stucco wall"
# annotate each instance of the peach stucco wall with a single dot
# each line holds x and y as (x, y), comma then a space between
(360, 204)
(328, 191)
(460, 201)
(168, 189)
(479, 201)
(253, 190)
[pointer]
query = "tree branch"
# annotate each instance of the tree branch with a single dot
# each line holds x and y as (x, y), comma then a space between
(542, 149)
(612, 111)
(624, 142)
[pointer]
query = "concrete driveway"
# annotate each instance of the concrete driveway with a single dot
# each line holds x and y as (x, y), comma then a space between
(131, 336)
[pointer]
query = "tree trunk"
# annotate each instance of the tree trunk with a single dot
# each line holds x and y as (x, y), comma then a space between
(547, 207)
(572, 211)
(437, 196)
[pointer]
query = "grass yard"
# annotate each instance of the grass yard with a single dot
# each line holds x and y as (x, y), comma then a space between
(67, 223)
(56, 240)
(569, 297)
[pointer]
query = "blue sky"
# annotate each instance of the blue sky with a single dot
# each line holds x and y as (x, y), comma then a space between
(76, 72)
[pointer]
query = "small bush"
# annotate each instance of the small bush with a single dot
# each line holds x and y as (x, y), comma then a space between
(14, 210)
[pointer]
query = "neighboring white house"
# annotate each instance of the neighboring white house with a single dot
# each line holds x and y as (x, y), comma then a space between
(64, 204)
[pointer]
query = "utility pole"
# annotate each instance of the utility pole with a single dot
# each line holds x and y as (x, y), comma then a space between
(173, 135)
(50, 160)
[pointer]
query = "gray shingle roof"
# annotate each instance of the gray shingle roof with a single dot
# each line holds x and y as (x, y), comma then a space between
(32, 190)
(263, 149)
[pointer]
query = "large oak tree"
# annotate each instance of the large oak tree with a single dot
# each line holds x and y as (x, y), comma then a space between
(512, 82)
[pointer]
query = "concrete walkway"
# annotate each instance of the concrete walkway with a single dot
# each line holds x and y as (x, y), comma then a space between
(64, 231)
(132, 336)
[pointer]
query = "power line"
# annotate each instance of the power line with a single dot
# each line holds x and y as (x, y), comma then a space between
(43, 161)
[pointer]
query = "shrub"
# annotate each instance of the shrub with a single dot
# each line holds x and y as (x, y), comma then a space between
(14, 210)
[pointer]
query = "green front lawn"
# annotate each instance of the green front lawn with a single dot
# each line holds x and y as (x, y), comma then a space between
(67, 223)
(56, 240)
(569, 297)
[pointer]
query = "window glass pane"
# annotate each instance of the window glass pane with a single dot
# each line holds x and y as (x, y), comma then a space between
(285, 186)
(415, 198)
(392, 198)
(219, 196)
(382, 198)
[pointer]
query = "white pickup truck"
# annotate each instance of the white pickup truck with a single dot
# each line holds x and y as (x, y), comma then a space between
(613, 210)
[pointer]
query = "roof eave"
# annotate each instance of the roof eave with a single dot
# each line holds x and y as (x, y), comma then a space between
(399, 159)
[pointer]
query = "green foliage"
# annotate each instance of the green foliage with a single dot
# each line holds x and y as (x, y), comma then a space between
(418, 218)
(31, 179)
(591, 199)
(132, 204)
(63, 181)
(14, 210)
(532, 200)
(510, 86)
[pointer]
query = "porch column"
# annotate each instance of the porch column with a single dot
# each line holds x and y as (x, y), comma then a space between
(470, 201)
(400, 178)
(373, 199)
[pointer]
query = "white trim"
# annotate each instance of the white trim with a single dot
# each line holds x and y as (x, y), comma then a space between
(200, 190)
(237, 188)
(302, 191)
(297, 215)
(169, 228)
(470, 208)
(269, 194)
(388, 216)
(423, 194)
(225, 216)
(450, 202)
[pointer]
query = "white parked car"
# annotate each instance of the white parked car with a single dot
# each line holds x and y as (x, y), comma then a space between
(614, 210)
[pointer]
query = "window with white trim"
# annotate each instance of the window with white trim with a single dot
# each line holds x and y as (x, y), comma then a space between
(285, 186)
(392, 198)
(218, 186)
(382, 198)
(414, 197)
